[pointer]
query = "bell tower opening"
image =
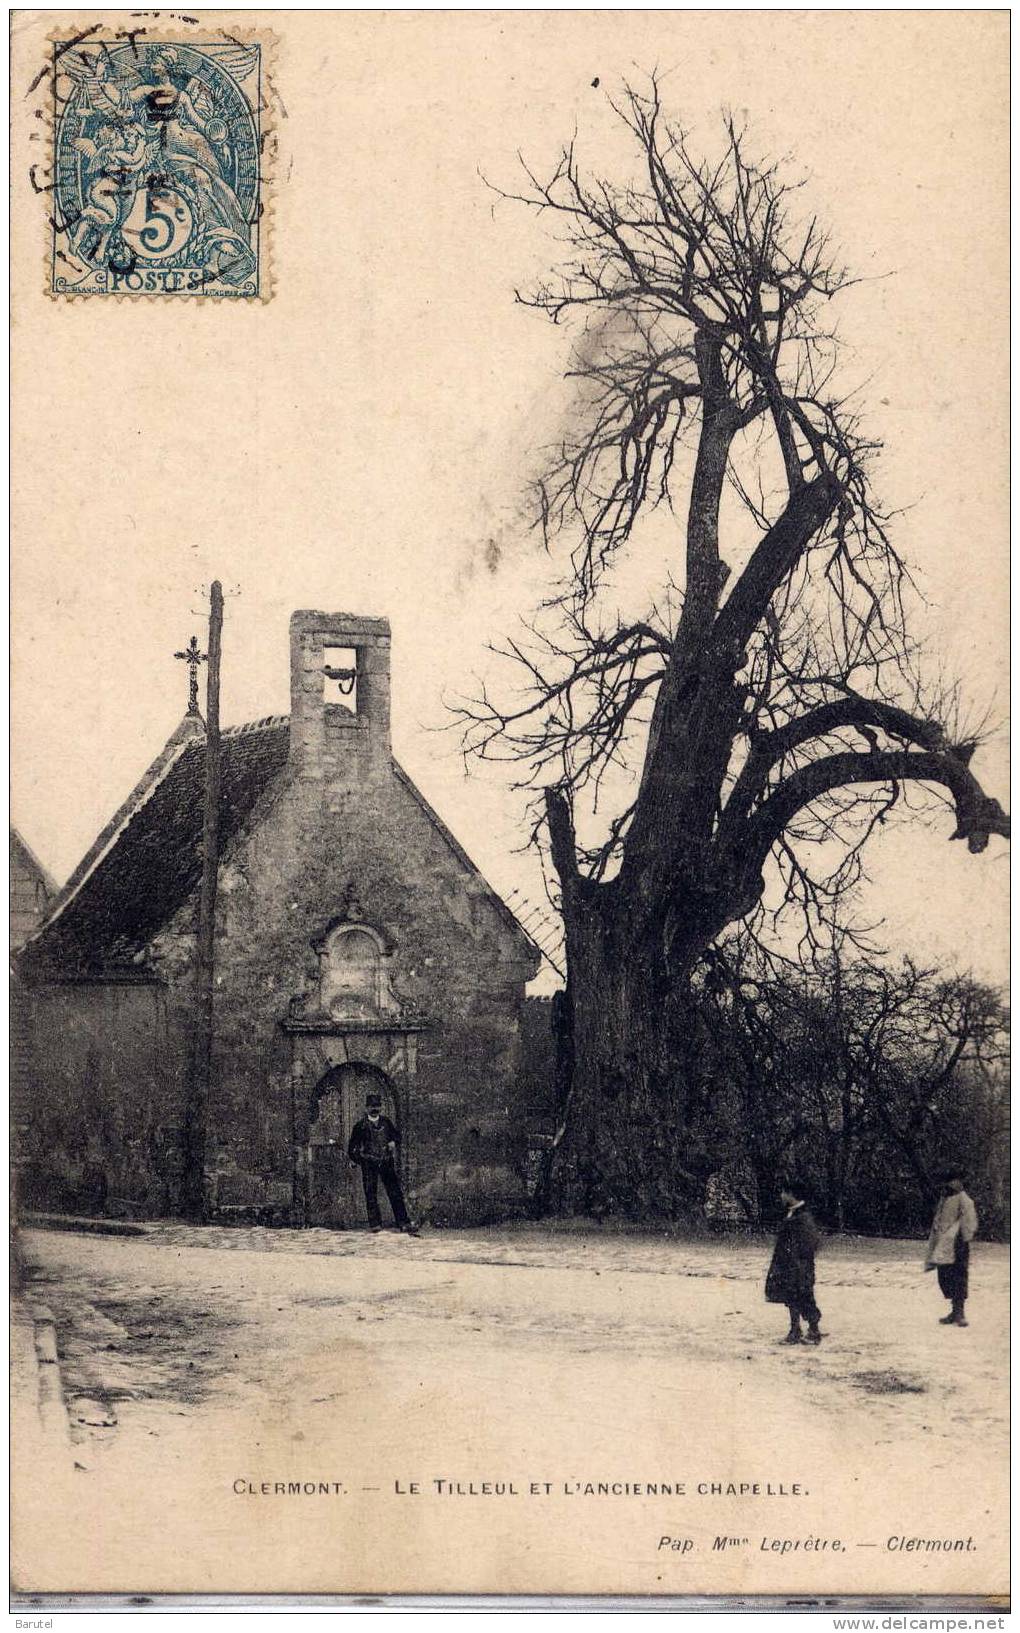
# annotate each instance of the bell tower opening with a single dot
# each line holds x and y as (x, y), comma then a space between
(340, 677)
(339, 696)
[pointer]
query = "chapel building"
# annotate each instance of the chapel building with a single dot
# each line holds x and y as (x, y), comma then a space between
(357, 948)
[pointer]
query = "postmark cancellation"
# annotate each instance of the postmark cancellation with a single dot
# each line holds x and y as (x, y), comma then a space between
(161, 158)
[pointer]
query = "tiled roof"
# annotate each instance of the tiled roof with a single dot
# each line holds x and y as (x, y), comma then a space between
(149, 859)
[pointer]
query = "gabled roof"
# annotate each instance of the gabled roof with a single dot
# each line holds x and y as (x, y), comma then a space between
(148, 859)
(22, 855)
(506, 913)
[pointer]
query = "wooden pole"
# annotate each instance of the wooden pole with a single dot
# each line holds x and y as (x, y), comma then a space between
(205, 943)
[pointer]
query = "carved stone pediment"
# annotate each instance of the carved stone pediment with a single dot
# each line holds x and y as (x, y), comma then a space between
(354, 984)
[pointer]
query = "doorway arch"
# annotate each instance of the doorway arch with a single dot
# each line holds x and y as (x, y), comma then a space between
(337, 1101)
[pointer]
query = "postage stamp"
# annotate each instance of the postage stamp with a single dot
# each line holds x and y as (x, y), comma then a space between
(159, 167)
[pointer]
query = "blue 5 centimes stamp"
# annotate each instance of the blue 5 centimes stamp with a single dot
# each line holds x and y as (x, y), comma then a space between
(160, 168)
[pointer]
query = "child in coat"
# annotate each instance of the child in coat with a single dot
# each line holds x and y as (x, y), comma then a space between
(791, 1277)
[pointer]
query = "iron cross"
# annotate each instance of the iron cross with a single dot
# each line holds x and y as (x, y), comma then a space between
(192, 657)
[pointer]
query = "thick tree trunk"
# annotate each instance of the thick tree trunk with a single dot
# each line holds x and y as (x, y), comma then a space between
(634, 1138)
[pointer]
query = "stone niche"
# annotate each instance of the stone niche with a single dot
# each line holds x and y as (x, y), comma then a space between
(354, 980)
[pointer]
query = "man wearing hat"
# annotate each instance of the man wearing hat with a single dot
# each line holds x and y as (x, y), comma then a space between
(791, 1275)
(373, 1147)
(953, 1229)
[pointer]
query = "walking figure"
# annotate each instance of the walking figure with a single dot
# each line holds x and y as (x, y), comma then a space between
(373, 1148)
(953, 1229)
(791, 1276)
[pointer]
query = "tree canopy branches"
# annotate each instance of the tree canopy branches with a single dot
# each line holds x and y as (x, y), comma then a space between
(770, 705)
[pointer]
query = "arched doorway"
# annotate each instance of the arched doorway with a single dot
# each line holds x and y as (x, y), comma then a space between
(338, 1100)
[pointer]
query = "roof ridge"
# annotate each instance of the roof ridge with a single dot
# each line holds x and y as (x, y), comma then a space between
(267, 722)
(110, 835)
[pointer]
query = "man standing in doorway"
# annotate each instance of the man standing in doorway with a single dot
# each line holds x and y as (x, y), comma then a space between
(953, 1229)
(373, 1147)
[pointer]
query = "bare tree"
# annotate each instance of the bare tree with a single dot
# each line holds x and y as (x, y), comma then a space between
(910, 1044)
(765, 703)
(865, 1075)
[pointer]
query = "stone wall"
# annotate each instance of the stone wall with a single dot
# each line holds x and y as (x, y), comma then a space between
(30, 893)
(370, 857)
(100, 1131)
(537, 1080)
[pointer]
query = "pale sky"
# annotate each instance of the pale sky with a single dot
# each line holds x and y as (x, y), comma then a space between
(361, 441)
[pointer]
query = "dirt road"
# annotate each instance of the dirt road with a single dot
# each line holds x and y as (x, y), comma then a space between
(254, 1409)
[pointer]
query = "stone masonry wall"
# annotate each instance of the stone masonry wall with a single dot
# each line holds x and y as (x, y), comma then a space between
(374, 857)
(102, 1129)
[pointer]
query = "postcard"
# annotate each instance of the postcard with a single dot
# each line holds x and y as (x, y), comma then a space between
(509, 829)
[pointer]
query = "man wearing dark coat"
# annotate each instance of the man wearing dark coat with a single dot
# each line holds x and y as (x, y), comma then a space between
(373, 1148)
(791, 1277)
